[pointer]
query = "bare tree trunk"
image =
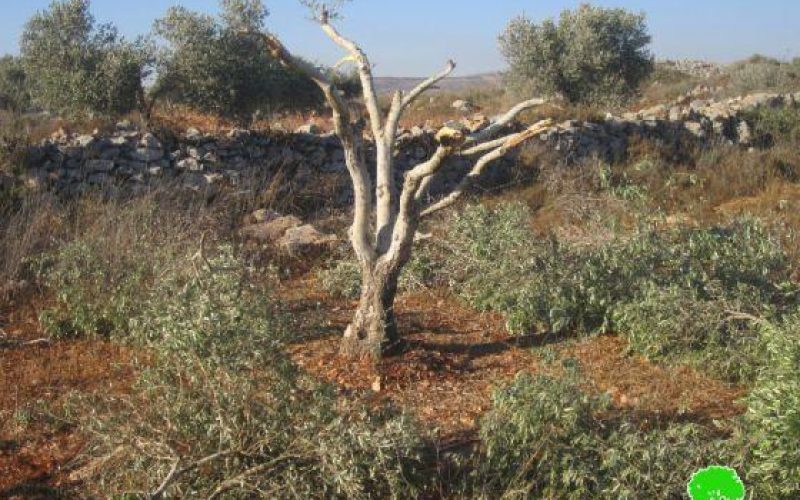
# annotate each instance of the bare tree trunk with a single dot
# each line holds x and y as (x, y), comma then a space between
(373, 330)
(396, 215)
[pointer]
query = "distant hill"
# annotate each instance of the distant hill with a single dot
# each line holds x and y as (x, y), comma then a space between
(387, 84)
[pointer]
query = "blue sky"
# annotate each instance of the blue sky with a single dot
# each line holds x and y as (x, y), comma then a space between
(416, 37)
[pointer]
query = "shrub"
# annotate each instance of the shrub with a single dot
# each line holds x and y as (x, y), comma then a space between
(544, 438)
(772, 422)
(772, 126)
(495, 262)
(14, 95)
(673, 324)
(592, 55)
(220, 385)
(102, 273)
(760, 73)
(77, 68)
(213, 66)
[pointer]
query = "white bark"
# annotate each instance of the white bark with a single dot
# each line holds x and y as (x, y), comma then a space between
(396, 215)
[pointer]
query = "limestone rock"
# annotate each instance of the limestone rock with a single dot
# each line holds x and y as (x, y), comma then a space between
(309, 128)
(270, 230)
(301, 238)
(100, 165)
(463, 106)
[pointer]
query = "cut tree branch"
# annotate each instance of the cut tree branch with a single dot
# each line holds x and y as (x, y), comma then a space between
(500, 122)
(510, 142)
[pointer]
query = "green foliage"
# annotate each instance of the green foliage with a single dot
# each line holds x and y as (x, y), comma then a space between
(78, 68)
(761, 74)
(592, 55)
(644, 284)
(14, 94)
(15, 145)
(544, 439)
(673, 324)
(773, 418)
(102, 278)
(560, 286)
(213, 65)
(213, 375)
(342, 279)
(221, 383)
(772, 126)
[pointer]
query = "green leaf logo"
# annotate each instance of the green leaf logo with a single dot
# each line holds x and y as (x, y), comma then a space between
(716, 483)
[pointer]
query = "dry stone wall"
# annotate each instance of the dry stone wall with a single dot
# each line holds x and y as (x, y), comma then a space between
(133, 159)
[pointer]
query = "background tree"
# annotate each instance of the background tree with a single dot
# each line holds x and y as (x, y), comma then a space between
(75, 67)
(383, 227)
(14, 95)
(211, 64)
(592, 55)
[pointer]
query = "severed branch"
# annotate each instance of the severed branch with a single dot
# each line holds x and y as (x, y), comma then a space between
(177, 471)
(239, 481)
(500, 122)
(508, 143)
(400, 102)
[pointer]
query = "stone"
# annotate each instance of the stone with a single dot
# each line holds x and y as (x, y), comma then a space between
(111, 153)
(463, 106)
(302, 238)
(118, 140)
(695, 128)
(191, 164)
(98, 178)
(309, 128)
(656, 112)
(450, 136)
(263, 215)
(72, 152)
(214, 178)
(149, 141)
(148, 155)
(193, 134)
(125, 125)
(417, 132)
(35, 179)
(270, 230)
(698, 104)
(744, 134)
(238, 134)
(84, 140)
(762, 99)
(100, 165)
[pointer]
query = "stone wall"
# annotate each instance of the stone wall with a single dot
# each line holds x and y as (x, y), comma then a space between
(129, 158)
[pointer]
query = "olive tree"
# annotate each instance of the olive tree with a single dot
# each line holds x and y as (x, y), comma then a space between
(591, 55)
(383, 229)
(14, 95)
(76, 67)
(209, 63)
